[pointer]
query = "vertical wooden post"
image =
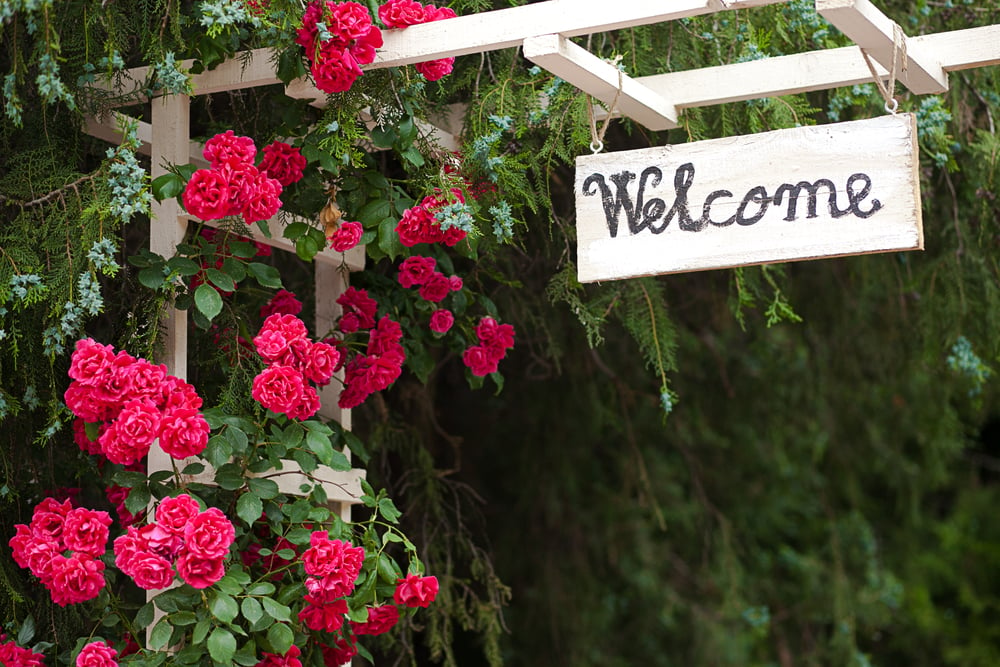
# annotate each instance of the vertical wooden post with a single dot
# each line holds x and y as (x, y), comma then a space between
(171, 126)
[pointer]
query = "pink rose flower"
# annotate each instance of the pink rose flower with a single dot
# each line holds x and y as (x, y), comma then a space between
(48, 519)
(78, 578)
(456, 283)
(309, 404)
(150, 571)
(97, 654)
(416, 270)
(401, 13)
(436, 288)
(183, 432)
(262, 202)
(160, 541)
(323, 359)
(478, 359)
(432, 70)
(335, 70)
(206, 195)
(178, 393)
(138, 423)
(209, 535)
(226, 146)
(278, 388)
(145, 379)
(90, 361)
(441, 320)
(275, 335)
(346, 237)
(282, 303)
(289, 659)
(13, 655)
(174, 514)
(127, 547)
(200, 572)
(381, 619)
(332, 557)
(416, 591)
(283, 162)
(86, 531)
(326, 617)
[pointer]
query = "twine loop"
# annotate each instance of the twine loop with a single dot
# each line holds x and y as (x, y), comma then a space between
(899, 63)
(597, 136)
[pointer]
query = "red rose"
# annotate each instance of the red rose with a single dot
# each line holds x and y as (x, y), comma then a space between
(332, 557)
(138, 423)
(328, 617)
(381, 619)
(346, 237)
(416, 270)
(209, 535)
(441, 320)
(401, 13)
(335, 69)
(432, 70)
(283, 162)
(276, 334)
(174, 514)
(48, 520)
(75, 579)
(349, 21)
(340, 653)
(97, 654)
(262, 202)
(145, 379)
(127, 547)
(278, 388)
(160, 541)
(151, 572)
(478, 359)
(416, 591)
(308, 405)
(323, 360)
(226, 146)
(282, 303)
(183, 432)
(90, 361)
(436, 288)
(456, 283)
(200, 572)
(86, 531)
(206, 195)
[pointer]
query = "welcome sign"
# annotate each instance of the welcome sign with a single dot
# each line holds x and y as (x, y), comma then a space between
(822, 191)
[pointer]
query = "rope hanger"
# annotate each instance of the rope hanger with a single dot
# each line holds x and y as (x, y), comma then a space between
(597, 137)
(898, 60)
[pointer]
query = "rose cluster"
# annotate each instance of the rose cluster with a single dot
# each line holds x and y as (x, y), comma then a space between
(419, 224)
(494, 341)
(293, 361)
(232, 185)
(289, 659)
(135, 402)
(62, 546)
(434, 286)
(12, 655)
(402, 13)
(184, 537)
(338, 38)
(359, 310)
(97, 654)
(377, 368)
(333, 566)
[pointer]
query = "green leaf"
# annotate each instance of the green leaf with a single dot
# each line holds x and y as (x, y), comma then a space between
(356, 446)
(276, 610)
(321, 446)
(183, 266)
(193, 469)
(249, 508)
(223, 607)
(181, 618)
(137, 499)
(221, 645)
(383, 137)
(218, 451)
(230, 477)
(167, 186)
(228, 584)
(388, 510)
(129, 478)
(306, 248)
(27, 631)
(388, 238)
(237, 438)
(295, 230)
(306, 460)
(261, 588)
(201, 631)
(290, 65)
(252, 611)
(373, 212)
(247, 655)
(413, 156)
(220, 280)
(153, 277)
(280, 637)
(144, 616)
(388, 571)
(207, 300)
(359, 615)
(241, 249)
(339, 461)
(266, 275)
(160, 635)
(263, 488)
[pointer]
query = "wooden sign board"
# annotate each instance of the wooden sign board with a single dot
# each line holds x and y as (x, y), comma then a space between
(821, 191)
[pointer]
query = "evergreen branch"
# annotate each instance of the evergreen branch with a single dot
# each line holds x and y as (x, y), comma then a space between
(50, 196)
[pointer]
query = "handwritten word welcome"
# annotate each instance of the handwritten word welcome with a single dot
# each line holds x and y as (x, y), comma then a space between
(653, 214)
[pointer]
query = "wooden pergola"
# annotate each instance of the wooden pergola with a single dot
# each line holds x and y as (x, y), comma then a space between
(544, 31)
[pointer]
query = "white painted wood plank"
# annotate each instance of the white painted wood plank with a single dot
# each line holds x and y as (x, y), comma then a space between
(647, 235)
(814, 70)
(873, 31)
(602, 80)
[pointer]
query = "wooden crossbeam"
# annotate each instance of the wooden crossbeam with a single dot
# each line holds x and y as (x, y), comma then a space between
(815, 70)
(602, 80)
(877, 34)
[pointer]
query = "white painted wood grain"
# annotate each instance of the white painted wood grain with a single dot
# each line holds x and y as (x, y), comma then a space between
(884, 148)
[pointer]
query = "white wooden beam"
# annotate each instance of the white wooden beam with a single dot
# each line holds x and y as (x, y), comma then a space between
(814, 70)
(875, 32)
(602, 80)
